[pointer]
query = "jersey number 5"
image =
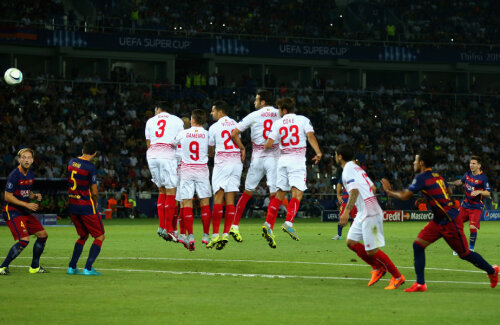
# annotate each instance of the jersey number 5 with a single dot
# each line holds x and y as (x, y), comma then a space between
(294, 138)
(73, 180)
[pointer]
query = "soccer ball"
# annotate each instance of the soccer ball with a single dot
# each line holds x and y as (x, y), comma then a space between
(13, 76)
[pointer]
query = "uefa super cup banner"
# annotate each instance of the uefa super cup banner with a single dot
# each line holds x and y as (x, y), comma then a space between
(330, 215)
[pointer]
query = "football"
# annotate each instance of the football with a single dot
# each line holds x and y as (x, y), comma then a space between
(13, 76)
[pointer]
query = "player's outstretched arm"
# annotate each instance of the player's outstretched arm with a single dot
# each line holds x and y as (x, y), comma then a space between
(401, 195)
(481, 192)
(458, 182)
(311, 138)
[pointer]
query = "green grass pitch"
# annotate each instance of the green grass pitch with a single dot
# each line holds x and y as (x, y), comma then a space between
(313, 281)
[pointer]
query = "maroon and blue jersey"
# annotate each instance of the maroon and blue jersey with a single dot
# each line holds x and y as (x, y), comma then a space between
(20, 186)
(82, 174)
(345, 194)
(472, 183)
(434, 188)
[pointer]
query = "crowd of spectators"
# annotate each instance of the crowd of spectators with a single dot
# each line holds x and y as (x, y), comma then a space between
(454, 21)
(386, 126)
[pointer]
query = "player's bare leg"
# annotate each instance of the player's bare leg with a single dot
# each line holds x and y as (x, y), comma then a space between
(293, 208)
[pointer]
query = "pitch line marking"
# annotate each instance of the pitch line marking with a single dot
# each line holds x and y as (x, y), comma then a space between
(253, 261)
(255, 275)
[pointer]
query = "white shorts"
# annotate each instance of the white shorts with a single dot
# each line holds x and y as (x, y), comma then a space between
(258, 168)
(291, 173)
(369, 230)
(227, 177)
(188, 187)
(163, 172)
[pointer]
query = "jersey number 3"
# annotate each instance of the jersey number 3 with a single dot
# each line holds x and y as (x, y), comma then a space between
(161, 128)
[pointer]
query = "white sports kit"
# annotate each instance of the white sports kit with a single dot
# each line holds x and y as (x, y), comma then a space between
(161, 130)
(194, 172)
(291, 133)
(368, 224)
(226, 174)
(264, 161)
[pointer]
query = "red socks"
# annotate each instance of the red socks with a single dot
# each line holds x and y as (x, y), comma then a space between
(159, 207)
(216, 218)
(383, 259)
(169, 210)
(293, 207)
(359, 249)
(188, 220)
(228, 218)
(240, 207)
(205, 218)
(174, 219)
(182, 226)
(272, 211)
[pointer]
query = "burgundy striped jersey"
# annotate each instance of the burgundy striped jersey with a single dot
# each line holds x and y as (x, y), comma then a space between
(434, 188)
(81, 176)
(20, 186)
(471, 183)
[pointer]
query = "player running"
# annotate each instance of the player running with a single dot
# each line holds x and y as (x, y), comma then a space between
(226, 175)
(161, 131)
(17, 212)
(263, 160)
(194, 173)
(367, 226)
(476, 187)
(445, 223)
(292, 132)
(82, 199)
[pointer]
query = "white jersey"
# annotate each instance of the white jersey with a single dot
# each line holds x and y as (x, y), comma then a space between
(260, 123)
(291, 132)
(161, 131)
(354, 177)
(219, 135)
(194, 146)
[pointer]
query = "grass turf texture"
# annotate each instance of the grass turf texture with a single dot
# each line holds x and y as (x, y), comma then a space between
(316, 280)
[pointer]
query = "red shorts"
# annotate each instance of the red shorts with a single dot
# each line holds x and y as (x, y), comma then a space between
(452, 232)
(24, 226)
(90, 224)
(353, 213)
(472, 215)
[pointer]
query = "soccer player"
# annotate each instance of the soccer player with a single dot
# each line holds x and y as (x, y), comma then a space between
(82, 199)
(342, 199)
(194, 172)
(226, 175)
(182, 238)
(17, 212)
(445, 223)
(367, 226)
(161, 131)
(292, 132)
(476, 187)
(263, 160)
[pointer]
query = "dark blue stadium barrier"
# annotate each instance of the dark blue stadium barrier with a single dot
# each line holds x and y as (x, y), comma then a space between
(244, 47)
(47, 219)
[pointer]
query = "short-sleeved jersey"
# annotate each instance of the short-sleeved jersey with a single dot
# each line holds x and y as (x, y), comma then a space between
(194, 146)
(82, 174)
(472, 183)
(20, 185)
(291, 133)
(434, 188)
(345, 194)
(161, 131)
(260, 123)
(355, 177)
(219, 135)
